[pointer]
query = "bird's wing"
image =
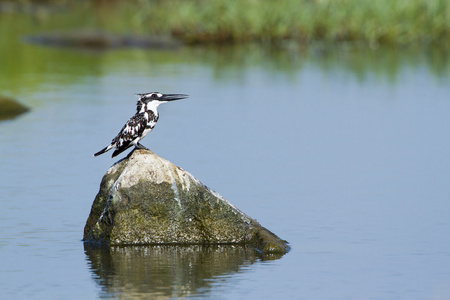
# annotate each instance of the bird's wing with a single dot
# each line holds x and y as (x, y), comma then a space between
(132, 129)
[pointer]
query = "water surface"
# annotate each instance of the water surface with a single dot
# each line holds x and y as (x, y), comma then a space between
(343, 153)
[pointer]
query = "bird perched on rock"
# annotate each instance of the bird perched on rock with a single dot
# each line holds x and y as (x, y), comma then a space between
(139, 125)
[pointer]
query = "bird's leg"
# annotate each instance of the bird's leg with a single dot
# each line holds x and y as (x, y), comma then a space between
(139, 146)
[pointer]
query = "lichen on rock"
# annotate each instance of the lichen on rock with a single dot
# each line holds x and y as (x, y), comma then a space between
(145, 199)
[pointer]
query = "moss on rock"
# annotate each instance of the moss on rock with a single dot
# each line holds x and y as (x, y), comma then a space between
(144, 199)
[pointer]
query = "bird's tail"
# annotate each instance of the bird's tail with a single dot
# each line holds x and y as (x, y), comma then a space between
(107, 148)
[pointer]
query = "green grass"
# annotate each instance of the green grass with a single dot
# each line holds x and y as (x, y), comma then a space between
(370, 22)
(373, 22)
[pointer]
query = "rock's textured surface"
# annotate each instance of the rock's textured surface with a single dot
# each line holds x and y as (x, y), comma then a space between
(145, 199)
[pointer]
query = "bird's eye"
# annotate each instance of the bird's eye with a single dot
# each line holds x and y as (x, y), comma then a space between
(154, 96)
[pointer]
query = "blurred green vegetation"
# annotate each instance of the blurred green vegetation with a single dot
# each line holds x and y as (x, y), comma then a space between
(25, 66)
(369, 22)
(398, 22)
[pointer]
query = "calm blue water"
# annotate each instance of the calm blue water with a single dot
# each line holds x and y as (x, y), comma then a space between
(351, 166)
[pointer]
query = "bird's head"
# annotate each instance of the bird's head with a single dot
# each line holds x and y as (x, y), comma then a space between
(159, 97)
(154, 99)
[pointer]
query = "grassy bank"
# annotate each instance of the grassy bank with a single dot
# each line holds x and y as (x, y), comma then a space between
(373, 22)
(368, 22)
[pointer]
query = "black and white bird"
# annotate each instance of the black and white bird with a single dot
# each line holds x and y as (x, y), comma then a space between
(139, 125)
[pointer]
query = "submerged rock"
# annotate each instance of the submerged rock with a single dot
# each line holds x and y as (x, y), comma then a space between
(93, 39)
(145, 199)
(165, 271)
(10, 108)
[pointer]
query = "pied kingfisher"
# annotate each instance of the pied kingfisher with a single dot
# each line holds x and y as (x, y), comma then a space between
(139, 125)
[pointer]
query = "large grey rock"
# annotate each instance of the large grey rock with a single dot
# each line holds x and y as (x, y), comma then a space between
(145, 199)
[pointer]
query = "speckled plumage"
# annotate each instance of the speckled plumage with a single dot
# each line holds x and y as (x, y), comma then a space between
(139, 125)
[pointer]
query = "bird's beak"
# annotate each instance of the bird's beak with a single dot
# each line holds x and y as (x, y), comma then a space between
(172, 97)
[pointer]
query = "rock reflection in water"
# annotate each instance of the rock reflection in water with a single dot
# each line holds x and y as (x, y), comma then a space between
(166, 271)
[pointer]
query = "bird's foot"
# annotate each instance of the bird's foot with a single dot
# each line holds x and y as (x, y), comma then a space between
(139, 146)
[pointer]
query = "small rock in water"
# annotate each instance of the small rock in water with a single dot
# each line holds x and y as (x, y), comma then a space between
(145, 199)
(10, 108)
